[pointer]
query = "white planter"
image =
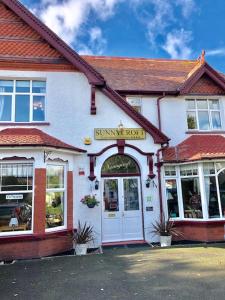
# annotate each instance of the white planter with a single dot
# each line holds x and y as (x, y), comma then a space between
(81, 249)
(165, 241)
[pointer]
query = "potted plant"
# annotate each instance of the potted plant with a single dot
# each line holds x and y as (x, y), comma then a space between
(165, 228)
(90, 201)
(81, 237)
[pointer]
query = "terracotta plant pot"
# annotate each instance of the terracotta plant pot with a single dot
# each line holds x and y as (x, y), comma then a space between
(165, 241)
(81, 249)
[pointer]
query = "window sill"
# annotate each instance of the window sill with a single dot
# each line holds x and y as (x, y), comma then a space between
(205, 132)
(200, 222)
(24, 123)
(33, 237)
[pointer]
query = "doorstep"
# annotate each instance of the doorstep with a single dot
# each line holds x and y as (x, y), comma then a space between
(125, 243)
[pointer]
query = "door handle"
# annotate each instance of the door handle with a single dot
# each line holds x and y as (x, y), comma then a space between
(122, 214)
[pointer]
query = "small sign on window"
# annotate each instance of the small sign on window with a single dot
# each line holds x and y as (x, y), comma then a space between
(14, 197)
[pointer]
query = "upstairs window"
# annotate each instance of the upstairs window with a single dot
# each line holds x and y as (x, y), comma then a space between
(203, 114)
(135, 103)
(22, 100)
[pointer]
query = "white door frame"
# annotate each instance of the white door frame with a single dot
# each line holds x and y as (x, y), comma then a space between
(121, 204)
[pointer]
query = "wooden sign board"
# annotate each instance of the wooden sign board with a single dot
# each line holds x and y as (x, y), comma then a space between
(118, 134)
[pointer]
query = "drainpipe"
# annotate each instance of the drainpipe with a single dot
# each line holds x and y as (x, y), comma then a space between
(158, 110)
(159, 165)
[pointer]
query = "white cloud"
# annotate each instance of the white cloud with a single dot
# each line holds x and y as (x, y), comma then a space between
(216, 52)
(177, 44)
(96, 44)
(68, 18)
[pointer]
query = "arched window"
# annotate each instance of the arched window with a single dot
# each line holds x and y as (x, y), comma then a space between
(120, 165)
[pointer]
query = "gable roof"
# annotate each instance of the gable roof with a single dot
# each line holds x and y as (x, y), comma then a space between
(203, 69)
(153, 76)
(48, 35)
(196, 147)
(94, 77)
(31, 137)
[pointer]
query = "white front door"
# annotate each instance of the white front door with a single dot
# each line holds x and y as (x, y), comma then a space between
(121, 209)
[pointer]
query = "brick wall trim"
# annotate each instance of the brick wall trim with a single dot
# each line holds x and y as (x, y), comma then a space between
(39, 201)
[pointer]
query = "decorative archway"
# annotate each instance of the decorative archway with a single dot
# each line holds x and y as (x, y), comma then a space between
(120, 165)
(121, 146)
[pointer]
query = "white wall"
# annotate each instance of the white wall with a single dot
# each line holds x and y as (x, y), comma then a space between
(68, 111)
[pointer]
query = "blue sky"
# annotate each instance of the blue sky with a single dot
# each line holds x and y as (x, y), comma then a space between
(139, 28)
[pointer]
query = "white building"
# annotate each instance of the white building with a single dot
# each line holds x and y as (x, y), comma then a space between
(68, 130)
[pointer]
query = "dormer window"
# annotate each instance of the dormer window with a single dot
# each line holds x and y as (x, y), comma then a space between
(22, 100)
(135, 103)
(203, 114)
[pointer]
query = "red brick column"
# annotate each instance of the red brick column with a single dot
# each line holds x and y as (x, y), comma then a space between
(69, 200)
(39, 201)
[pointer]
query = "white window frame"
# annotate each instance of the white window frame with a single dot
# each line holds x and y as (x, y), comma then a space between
(21, 232)
(31, 96)
(201, 177)
(64, 190)
(135, 98)
(208, 110)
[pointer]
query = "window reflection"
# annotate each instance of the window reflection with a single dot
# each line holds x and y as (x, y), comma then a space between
(111, 199)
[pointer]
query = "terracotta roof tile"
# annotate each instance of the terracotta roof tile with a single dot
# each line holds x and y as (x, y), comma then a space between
(196, 147)
(13, 137)
(142, 74)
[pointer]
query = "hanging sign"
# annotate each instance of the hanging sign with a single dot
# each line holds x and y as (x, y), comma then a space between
(118, 134)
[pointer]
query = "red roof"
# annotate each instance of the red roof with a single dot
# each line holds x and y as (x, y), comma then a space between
(25, 137)
(196, 147)
(142, 74)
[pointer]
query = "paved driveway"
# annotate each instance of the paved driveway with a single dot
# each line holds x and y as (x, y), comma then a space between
(124, 273)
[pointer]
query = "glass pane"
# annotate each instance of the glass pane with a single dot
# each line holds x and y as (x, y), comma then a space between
(211, 197)
(221, 180)
(191, 198)
(170, 170)
(55, 177)
(214, 104)
(16, 177)
(191, 120)
(121, 164)
(189, 170)
(110, 196)
(208, 168)
(38, 108)
(54, 209)
(190, 104)
(203, 119)
(6, 86)
(131, 196)
(15, 212)
(220, 165)
(216, 122)
(5, 108)
(172, 198)
(23, 86)
(202, 104)
(39, 87)
(22, 108)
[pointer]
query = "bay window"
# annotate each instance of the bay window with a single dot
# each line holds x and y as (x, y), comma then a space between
(55, 196)
(16, 197)
(203, 114)
(191, 194)
(22, 100)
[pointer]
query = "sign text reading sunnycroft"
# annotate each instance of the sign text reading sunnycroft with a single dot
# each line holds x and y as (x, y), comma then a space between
(118, 134)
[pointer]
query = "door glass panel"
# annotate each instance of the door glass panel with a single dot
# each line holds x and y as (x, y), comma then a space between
(110, 196)
(131, 200)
